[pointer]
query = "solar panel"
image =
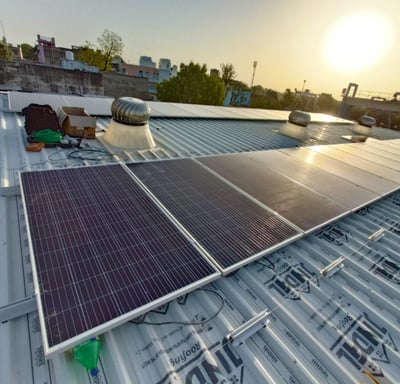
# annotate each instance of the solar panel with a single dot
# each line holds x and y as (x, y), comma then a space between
(232, 228)
(103, 251)
(348, 172)
(343, 192)
(357, 161)
(376, 147)
(296, 203)
(365, 152)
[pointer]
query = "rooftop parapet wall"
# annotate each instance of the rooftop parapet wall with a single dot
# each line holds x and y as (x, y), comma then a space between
(119, 85)
(20, 75)
(40, 78)
(381, 105)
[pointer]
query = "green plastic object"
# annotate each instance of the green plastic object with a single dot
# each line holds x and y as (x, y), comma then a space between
(47, 136)
(87, 354)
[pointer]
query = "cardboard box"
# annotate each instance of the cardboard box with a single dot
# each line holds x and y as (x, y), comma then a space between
(76, 122)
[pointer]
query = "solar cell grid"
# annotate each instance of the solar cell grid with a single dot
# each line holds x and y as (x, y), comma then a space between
(102, 249)
(335, 188)
(367, 153)
(346, 171)
(230, 226)
(298, 204)
(356, 161)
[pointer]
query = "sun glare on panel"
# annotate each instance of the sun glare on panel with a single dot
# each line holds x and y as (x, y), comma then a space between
(358, 41)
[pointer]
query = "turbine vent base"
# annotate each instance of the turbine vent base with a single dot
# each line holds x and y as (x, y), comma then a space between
(129, 127)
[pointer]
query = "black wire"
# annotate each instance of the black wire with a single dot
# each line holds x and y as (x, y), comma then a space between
(72, 154)
(187, 322)
(271, 266)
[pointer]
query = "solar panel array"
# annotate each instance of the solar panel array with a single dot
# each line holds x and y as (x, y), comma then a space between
(230, 226)
(335, 188)
(103, 250)
(112, 242)
(300, 205)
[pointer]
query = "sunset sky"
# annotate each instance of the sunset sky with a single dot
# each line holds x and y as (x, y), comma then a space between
(326, 43)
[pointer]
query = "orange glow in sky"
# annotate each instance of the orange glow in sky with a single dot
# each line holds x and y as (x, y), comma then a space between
(358, 41)
(326, 43)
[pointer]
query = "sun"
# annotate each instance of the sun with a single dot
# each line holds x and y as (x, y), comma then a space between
(358, 41)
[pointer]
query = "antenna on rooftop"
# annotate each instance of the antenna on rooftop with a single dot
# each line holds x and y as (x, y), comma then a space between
(254, 73)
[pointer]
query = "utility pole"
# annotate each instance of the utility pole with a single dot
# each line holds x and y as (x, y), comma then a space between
(304, 83)
(254, 73)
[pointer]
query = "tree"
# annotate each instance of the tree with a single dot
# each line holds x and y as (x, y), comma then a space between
(286, 99)
(327, 104)
(92, 56)
(264, 98)
(192, 85)
(29, 52)
(257, 90)
(6, 52)
(110, 45)
(228, 73)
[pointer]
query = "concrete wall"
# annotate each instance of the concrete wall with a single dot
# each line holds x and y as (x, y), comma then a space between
(28, 76)
(118, 85)
(40, 78)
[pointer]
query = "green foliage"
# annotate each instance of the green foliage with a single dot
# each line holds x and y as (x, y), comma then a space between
(192, 85)
(29, 52)
(92, 56)
(228, 73)
(264, 98)
(287, 99)
(257, 90)
(6, 52)
(327, 104)
(110, 44)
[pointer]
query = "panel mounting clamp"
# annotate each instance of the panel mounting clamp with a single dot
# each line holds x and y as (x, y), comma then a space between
(333, 267)
(377, 235)
(248, 329)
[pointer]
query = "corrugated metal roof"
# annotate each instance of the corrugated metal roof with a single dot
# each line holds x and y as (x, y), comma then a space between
(101, 106)
(342, 329)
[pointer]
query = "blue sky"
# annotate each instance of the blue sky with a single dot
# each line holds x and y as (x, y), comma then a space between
(292, 40)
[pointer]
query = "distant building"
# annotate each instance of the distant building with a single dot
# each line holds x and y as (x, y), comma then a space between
(166, 71)
(46, 50)
(154, 75)
(237, 98)
(51, 55)
(69, 62)
(237, 94)
(146, 61)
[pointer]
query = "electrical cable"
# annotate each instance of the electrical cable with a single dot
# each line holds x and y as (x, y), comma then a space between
(77, 154)
(187, 322)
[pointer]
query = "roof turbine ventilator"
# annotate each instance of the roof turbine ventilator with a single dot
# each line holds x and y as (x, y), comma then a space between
(129, 127)
(296, 127)
(364, 126)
